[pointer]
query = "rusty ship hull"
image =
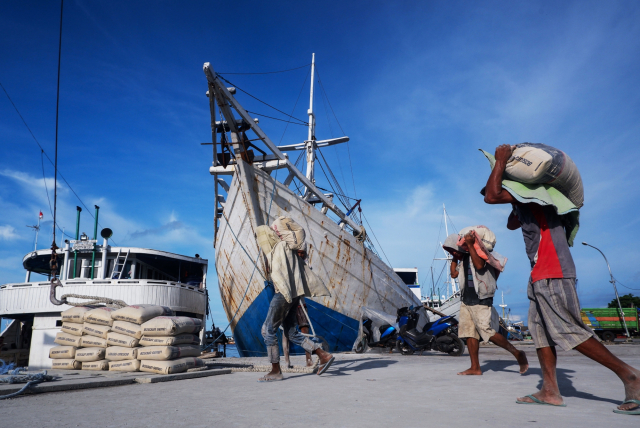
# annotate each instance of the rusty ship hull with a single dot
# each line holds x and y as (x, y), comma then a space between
(355, 275)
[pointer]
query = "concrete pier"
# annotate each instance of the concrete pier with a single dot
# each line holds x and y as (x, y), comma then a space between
(368, 390)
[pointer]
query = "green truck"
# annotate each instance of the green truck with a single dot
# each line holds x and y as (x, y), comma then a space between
(607, 322)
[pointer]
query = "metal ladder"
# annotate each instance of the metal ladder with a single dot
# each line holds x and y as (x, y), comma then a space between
(118, 264)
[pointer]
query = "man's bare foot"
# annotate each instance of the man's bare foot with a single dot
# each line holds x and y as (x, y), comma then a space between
(471, 372)
(309, 362)
(631, 390)
(554, 399)
(271, 377)
(522, 360)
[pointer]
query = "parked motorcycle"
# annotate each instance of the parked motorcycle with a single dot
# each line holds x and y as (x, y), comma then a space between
(378, 331)
(440, 335)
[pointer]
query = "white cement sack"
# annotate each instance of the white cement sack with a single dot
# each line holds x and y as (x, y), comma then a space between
(76, 314)
(127, 328)
(58, 352)
(66, 364)
(180, 339)
(72, 328)
(117, 339)
(120, 353)
(290, 232)
(68, 339)
(168, 352)
(95, 365)
(484, 233)
(267, 238)
(100, 316)
(93, 342)
(541, 164)
(170, 367)
(139, 314)
(96, 330)
(90, 354)
(171, 326)
(124, 366)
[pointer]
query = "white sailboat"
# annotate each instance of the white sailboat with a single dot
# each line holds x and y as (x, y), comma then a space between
(448, 303)
(259, 190)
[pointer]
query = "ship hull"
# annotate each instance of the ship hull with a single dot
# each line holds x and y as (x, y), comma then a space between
(354, 275)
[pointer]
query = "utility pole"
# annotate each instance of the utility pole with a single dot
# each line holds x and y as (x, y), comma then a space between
(613, 282)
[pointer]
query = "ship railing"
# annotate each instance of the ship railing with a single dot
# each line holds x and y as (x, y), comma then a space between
(86, 281)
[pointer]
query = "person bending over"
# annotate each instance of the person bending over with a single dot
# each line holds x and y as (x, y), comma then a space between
(554, 309)
(478, 319)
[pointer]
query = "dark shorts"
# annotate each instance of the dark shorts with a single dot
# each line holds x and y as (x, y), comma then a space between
(554, 314)
(302, 318)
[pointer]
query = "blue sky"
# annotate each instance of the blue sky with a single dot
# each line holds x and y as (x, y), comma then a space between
(418, 88)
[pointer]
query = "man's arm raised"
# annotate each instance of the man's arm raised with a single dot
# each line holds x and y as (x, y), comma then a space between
(494, 193)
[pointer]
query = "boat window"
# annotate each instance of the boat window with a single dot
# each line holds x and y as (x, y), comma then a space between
(409, 278)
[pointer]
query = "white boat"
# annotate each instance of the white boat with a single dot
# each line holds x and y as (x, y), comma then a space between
(259, 191)
(133, 275)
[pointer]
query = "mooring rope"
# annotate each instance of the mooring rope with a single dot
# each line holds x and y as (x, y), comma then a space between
(20, 375)
(94, 300)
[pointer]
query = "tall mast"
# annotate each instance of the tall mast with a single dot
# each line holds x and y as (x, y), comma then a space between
(311, 140)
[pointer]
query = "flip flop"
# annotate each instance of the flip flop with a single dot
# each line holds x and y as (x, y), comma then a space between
(634, 411)
(271, 378)
(323, 368)
(537, 401)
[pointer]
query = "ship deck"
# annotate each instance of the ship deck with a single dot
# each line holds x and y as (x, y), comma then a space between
(372, 389)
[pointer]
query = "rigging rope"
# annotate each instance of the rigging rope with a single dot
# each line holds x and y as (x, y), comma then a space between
(258, 99)
(272, 72)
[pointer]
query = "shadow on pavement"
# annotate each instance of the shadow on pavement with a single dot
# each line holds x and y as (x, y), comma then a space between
(344, 367)
(564, 379)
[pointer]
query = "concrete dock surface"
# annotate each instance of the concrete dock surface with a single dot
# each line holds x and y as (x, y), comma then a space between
(367, 390)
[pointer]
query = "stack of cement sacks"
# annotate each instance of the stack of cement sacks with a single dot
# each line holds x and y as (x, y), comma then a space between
(83, 339)
(126, 333)
(134, 338)
(170, 345)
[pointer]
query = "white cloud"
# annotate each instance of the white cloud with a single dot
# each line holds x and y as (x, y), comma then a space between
(8, 232)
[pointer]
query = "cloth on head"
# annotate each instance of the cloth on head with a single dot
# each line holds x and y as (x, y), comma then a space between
(493, 258)
(484, 280)
(543, 194)
(290, 232)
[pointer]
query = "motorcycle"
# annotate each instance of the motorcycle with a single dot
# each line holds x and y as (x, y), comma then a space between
(440, 335)
(378, 331)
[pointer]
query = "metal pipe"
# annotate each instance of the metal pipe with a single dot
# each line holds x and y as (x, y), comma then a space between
(75, 253)
(105, 248)
(613, 282)
(95, 237)
(65, 265)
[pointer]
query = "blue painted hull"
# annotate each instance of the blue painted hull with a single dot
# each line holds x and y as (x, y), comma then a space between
(338, 330)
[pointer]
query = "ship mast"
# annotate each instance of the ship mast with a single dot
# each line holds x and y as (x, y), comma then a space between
(311, 139)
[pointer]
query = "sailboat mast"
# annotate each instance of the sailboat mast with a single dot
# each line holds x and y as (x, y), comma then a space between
(311, 140)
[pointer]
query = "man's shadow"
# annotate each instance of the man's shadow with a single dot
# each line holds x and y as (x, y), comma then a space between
(564, 379)
(346, 367)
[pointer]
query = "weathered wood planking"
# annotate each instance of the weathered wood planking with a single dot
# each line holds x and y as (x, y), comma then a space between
(355, 276)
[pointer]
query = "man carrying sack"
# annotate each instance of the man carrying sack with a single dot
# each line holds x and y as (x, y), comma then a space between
(285, 249)
(477, 268)
(554, 310)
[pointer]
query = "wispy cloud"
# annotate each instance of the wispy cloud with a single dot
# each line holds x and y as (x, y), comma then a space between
(8, 233)
(167, 227)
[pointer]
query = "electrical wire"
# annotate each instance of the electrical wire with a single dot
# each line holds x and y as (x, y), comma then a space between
(638, 289)
(47, 156)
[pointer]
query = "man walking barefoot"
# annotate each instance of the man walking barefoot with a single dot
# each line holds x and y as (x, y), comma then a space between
(554, 310)
(476, 308)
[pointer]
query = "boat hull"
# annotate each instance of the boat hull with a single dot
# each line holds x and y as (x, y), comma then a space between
(354, 275)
